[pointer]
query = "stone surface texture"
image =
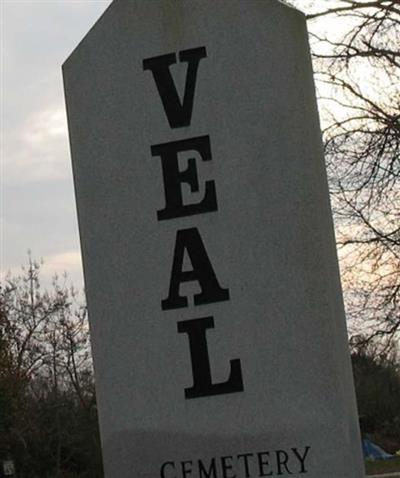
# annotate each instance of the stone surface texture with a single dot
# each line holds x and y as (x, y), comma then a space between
(271, 243)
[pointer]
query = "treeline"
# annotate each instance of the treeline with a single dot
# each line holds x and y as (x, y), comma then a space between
(376, 371)
(48, 413)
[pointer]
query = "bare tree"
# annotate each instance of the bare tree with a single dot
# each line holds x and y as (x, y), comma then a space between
(356, 54)
(46, 376)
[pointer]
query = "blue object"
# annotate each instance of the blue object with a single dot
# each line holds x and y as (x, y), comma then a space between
(374, 452)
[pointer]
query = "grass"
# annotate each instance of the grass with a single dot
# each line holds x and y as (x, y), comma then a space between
(381, 467)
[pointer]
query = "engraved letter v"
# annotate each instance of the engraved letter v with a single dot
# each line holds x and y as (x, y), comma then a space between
(178, 113)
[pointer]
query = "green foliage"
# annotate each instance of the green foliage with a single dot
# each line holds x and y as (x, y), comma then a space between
(383, 467)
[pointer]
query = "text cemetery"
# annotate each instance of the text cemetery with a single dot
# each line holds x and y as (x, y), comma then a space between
(242, 465)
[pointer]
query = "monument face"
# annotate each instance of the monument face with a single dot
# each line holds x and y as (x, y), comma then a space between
(212, 282)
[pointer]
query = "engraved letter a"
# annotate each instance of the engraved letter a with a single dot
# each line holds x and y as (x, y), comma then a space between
(179, 113)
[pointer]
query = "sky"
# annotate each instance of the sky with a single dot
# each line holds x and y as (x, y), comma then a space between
(38, 212)
(37, 198)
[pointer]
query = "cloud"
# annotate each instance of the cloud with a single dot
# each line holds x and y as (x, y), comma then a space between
(65, 266)
(69, 262)
(38, 207)
(47, 125)
(38, 149)
(37, 37)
